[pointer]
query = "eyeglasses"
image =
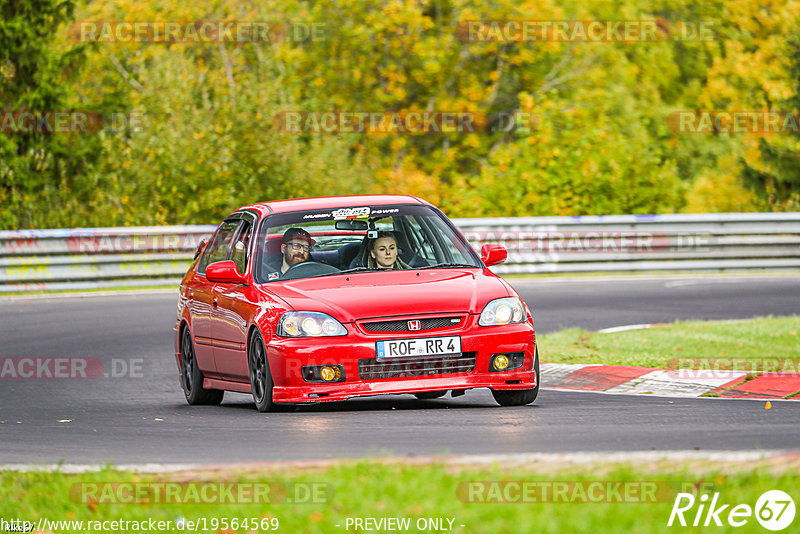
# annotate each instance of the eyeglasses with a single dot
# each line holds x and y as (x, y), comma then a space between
(299, 246)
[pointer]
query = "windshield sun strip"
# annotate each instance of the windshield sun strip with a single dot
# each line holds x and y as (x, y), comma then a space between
(438, 231)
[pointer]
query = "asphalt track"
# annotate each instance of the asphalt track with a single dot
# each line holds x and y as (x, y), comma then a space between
(142, 416)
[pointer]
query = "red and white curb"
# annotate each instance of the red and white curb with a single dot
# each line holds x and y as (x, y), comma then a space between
(625, 379)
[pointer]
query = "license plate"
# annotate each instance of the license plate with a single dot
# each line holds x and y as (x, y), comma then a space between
(421, 346)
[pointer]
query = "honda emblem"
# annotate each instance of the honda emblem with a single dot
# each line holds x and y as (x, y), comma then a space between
(414, 325)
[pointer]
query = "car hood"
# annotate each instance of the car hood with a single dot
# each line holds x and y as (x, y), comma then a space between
(385, 294)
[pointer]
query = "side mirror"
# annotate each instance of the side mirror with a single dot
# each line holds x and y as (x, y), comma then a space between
(492, 254)
(224, 272)
(200, 247)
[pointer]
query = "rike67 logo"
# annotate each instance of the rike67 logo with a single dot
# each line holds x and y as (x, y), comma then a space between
(774, 511)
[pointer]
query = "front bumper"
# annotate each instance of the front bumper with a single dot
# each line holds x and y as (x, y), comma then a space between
(287, 357)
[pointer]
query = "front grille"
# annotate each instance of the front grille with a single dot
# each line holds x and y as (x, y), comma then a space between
(402, 326)
(374, 369)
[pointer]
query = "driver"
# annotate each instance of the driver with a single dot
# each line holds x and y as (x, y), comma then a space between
(296, 247)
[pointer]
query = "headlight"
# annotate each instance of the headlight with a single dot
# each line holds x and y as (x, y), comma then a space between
(309, 324)
(502, 311)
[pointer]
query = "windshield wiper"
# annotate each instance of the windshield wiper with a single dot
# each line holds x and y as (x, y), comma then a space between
(438, 265)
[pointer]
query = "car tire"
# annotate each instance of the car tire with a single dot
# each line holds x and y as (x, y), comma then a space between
(261, 383)
(192, 377)
(427, 395)
(520, 397)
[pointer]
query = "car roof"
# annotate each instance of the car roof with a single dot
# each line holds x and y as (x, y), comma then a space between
(352, 201)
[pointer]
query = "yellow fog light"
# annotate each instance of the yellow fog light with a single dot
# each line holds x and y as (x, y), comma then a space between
(329, 373)
(500, 362)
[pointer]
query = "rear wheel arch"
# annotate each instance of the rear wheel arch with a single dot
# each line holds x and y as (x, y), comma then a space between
(181, 329)
(191, 376)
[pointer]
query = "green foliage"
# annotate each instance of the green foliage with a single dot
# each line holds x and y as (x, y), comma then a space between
(777, 174)
(33, 167)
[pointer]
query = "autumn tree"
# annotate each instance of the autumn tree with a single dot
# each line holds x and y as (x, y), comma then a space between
(198, 136)
(39, 171)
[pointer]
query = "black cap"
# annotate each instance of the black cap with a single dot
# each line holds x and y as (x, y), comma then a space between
(297, 233)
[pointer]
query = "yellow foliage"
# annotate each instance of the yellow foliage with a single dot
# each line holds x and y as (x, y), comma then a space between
(720, 191)
(409, 180)
(596, 141)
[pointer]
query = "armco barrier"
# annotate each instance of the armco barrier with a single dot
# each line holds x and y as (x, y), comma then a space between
(88, 258)
(630, 243)
(33, 260)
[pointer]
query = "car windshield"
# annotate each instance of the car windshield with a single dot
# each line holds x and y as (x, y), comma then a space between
(327, 242)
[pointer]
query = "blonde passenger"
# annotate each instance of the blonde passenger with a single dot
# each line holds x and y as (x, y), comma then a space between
(383, 253)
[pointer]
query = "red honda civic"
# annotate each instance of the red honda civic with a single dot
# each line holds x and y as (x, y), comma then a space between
(324, 299)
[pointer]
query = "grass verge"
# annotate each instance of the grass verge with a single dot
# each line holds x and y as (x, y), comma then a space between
(772, 341)
(332, 497)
